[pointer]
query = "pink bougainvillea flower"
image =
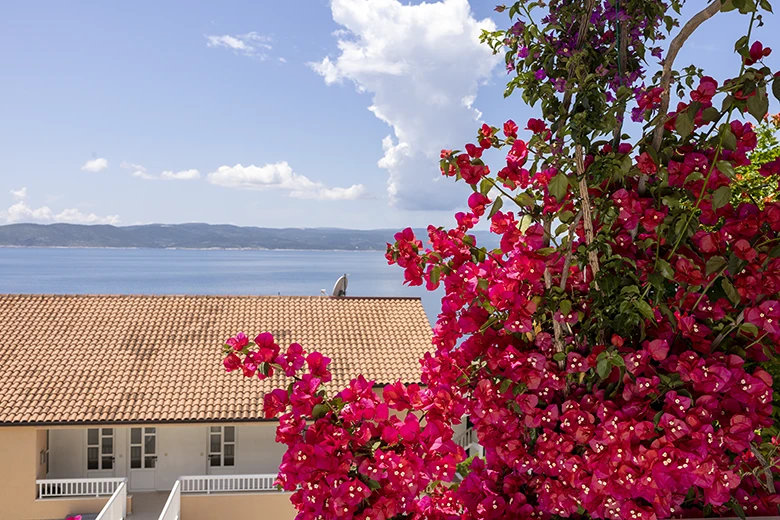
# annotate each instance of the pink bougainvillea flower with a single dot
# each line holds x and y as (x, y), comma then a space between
(757, 53)
(238, 342)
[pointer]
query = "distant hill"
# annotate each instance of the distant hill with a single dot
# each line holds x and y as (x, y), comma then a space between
(197, 236)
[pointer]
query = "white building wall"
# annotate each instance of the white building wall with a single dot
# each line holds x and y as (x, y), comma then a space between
(181, 450)
(257, 450)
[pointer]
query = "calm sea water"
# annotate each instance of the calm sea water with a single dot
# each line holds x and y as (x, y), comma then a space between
(161, 271)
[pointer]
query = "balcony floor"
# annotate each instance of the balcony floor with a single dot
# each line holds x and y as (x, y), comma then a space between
(148, 506)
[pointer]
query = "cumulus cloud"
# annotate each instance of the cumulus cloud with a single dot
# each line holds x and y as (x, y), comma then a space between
(95, 165)
(280, 176)
(423, 65)
(19, 194)
(250, 44)
(22, 212)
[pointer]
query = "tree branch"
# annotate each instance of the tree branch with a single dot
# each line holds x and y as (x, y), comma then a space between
(557, 330)
(567, 262)
(587, 216)
(674, 48)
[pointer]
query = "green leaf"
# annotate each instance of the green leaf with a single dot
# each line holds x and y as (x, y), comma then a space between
(749, 328)
(319, 411)
(565, 307)
(435, 274)
(741, 43)
(644, 309)
(559, 356)
(565, 216)
(716, 263)
(604, 368)
(505, 384)
(665, 269)
(525, 223)
(497, 204)
(737, 509)
(726, 168)
(766, 6)
(489, 323)
(525, 200)
(758, 105)
(684, 124)
(730, 291)
(721, 197)
(484, 186)
(710, 114)
(630, 289)
(727, 138)
(558, 186)
(776, 88)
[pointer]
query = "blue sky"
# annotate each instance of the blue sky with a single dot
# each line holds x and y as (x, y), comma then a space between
(257, 112)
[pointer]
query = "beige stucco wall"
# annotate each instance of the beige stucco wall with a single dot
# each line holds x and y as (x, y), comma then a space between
(20, 449)
(260, 506)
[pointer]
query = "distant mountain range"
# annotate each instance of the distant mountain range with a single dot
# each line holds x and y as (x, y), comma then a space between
(197, 236)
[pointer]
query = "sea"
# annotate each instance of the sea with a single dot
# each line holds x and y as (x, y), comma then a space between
(212, 271)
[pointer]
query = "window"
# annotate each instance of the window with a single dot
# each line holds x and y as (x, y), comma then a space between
(100, 448)
(222, 446)
(143, 448)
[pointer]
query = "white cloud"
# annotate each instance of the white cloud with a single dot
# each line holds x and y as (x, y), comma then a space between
(95, 165)
(184, 175)
(142, 173)
(21, 212)
(19, 194)
(249, 44)
(356, 191)
(423, 65)
(138, 170)
(280, 176)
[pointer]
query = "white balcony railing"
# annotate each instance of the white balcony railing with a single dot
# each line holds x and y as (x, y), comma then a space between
(116, 507)
(469, 441)
(77, 487)
(172, 509)
(227, 483)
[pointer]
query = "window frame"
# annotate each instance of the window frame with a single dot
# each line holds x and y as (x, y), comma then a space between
(220, 433)
(146, 431)
(101, 454)
(46, 454)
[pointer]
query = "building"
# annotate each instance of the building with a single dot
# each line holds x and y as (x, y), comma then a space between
(120, 404)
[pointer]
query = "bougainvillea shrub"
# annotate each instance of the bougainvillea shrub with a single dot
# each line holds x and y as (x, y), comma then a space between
(757, 183)
(612, 353)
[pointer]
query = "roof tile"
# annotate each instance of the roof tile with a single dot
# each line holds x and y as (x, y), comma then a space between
(124, 358)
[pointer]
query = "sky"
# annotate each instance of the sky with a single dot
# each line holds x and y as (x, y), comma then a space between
(312, 113)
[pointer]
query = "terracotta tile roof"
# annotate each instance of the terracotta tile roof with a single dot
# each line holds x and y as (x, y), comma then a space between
(109, 359)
